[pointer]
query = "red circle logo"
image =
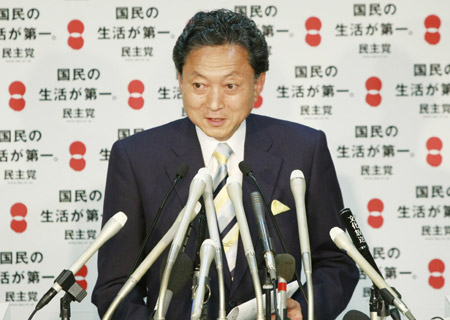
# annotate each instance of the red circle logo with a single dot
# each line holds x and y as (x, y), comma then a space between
(80, 277)
(373, 96)
(77, 149)
(17, 90)
(313, 26)
(436, 268)
(434, 147)
(18, 214)
(75, 28)
(432, 24)
(375, 207)
(136, 89)
(258, 102)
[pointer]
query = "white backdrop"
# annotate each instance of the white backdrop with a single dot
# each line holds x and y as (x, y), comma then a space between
(76, 75)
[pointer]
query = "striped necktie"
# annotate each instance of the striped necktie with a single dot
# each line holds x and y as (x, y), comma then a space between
(228, 227)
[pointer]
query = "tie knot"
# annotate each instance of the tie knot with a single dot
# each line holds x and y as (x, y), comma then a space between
(222, 153)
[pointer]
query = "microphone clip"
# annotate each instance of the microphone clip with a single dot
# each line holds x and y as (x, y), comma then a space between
(195, 283)
(388, 302)
(66, 280)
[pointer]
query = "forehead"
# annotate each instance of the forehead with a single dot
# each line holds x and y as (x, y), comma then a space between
(217, 58)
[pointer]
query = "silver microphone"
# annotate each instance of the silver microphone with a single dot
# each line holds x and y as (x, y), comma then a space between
(343, 242)
(140, 271)
(108, 231)
(196, 190)
(213, 229)
(234, 190)
(269, 257)
(207, 253)
(298, 188)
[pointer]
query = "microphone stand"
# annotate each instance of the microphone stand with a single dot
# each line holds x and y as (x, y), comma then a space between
(74, 292)
(373, 303)
(64, 305)
(378, 308)
(386, 300)
(201, 236)
(267, 286)
(380, 303)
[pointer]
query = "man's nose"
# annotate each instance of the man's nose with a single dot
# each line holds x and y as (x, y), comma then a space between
(215, 99)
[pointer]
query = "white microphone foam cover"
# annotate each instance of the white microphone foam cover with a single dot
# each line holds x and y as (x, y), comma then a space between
(335, 231)
(297, 174)
(120, 217)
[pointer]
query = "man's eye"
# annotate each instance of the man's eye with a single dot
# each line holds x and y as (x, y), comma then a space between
(231, 86)
(198, 85)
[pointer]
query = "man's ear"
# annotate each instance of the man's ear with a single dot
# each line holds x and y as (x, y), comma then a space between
(180, 81)
(259, 84)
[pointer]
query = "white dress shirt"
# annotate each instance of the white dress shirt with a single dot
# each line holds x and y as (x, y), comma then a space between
(236, 143)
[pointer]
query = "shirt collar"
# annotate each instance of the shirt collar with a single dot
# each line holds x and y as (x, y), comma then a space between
(236, 143)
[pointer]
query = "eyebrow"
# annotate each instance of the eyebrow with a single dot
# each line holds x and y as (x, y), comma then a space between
(232, 74)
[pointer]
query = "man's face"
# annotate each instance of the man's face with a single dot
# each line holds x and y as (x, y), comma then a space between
(219, 88)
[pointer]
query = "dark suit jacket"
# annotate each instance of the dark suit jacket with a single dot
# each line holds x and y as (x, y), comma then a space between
(141, 170)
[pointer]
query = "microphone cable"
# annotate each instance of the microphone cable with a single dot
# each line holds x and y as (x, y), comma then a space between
(32, 314)
(247, 170)
(181, 173)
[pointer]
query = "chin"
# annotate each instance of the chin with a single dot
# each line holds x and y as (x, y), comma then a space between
(219, 137)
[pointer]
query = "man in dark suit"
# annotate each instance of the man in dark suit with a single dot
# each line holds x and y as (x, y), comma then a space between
(221, 59)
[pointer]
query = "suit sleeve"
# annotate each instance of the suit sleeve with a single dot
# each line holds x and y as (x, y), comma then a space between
(334, 273)
(115, 258)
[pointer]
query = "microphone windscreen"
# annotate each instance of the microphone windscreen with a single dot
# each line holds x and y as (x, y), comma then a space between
(182, 170)
(285, 264)
(181, 272)
(245, 168)
(355, 315)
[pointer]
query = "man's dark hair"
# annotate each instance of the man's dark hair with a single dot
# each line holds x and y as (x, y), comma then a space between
(222, 27)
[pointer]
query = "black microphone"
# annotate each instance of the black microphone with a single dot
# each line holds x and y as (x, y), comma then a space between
(285, 263)
(264, 237)
(285, 270)
(357, 237)
(181, 273)
(181, 173)
(247, 170)
(355, 315)
(360, 243)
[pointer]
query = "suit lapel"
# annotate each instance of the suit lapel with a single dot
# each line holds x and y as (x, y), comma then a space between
(185, 148)
(265, 167)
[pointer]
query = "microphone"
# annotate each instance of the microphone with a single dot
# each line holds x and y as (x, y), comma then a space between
(355, 315)
(298, 188)
(376, 303)
(213, 229)
(182, 272)
(196, 189)
(66, 279)
(207, 253)
(285, 264)
(357, 237)
(258, 209)
(147, 263)
(234, 190)
(246, 170)
(181, 173)
(343, 242)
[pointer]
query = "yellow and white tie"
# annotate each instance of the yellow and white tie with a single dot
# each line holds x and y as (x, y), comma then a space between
(228, 227)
